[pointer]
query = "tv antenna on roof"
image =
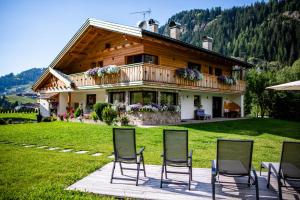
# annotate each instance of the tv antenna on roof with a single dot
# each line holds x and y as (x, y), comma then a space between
(144, 12)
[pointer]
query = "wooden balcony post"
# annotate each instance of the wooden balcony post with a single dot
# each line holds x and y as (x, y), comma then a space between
(158, 97)
(69, 100)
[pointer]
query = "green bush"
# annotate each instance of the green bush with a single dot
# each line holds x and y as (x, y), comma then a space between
(124, 121)
(98, 108)
(94, 116)
(109, 115)
(2, 122)
(46, 119)
(78, 112)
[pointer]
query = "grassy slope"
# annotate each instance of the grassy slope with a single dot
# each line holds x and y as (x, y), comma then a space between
(14, 98)
(40, 172)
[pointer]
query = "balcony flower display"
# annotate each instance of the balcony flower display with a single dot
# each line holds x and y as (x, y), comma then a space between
(102, 71)
(189, 74)
(92, 72)
(228, 80)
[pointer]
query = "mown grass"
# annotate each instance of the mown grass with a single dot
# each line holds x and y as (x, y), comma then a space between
(42, 173)
(19, 116)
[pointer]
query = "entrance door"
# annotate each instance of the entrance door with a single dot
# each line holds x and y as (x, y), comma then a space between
(217, 106)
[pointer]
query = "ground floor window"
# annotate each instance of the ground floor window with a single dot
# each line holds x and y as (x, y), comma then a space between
(90, 100)
(143, 97)
(168, 98)
(117, 97)
(197, 101)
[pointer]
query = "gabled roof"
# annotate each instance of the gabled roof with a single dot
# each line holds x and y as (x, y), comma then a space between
(59, 75)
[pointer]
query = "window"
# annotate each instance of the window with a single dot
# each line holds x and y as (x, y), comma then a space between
(218, 71)
(90, 100)
(143, 97)
(93, 64)
(100, 63)
(146, 58)
(107, 46)
(117, 97)
(210, 70)
(197, 101)
(194, 66)
(168, 98)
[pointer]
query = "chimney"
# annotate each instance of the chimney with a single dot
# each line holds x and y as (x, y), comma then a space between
(207, 42)
(153, 25)
(175, 30)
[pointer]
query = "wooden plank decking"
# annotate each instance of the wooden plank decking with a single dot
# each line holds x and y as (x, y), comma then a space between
(99, 183)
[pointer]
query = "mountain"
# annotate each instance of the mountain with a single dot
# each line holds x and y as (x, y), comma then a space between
(12, 83)
(269, 31)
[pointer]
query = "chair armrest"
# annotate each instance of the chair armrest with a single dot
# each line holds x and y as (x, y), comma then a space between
(191, 154)
(213, 168)
(272, 167)
(254, 172)
(140, 151)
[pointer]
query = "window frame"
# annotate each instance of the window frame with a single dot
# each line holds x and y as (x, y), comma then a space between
(143, 96)
(111, 97)
(175, 96)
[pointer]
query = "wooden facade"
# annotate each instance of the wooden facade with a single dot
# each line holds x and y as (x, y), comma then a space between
(99, 47)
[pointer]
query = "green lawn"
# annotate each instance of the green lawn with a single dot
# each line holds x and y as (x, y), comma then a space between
(36, 173)
(19, 116)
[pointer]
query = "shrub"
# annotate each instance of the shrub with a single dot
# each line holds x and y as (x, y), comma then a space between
(78, 112)
(124, 121)
(94, 116)
(46, 119)
(109, 115)
(2, 122)
(98, 108)
(39, 117)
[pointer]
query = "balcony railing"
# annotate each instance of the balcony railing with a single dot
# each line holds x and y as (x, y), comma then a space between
(156, 75)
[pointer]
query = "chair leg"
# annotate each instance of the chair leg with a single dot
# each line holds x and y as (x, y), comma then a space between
(121, 168)
(213, 184)
(112, 173)
(256, 188)
(137, 175)
(144, 166)
(249, 181)
(162, 175)
(260, 169)
(279, 188)
(166, 172)
(190, 177)
(269, 176)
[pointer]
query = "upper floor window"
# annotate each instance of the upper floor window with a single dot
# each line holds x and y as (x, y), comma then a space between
(210, 70)
(139, 58)
(194, 66)
(218, 71)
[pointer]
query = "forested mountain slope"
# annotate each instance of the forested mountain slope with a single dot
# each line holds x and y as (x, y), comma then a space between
(269, 31)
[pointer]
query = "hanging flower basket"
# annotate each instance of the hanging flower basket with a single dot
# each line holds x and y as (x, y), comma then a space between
(189, 74)
(228, 80)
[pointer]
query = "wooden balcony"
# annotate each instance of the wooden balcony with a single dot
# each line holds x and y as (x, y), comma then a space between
(156, 76)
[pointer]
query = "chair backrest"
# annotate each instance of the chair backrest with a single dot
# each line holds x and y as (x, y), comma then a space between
(290, 160)
(124, 144)
(175, 147)
(234, 157)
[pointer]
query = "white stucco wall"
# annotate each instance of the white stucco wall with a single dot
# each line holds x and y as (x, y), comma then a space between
(62, 103)
(187, 102)
(80, 97)
(44, 108)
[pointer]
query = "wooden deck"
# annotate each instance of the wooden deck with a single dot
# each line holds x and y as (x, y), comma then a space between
(99, 183)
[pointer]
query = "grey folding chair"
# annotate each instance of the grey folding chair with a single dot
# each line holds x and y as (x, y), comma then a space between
(288, 168)
(234, 159)
(125, 151)
(175, 153)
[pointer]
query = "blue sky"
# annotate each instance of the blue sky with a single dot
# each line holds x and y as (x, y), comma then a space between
(32, 32)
